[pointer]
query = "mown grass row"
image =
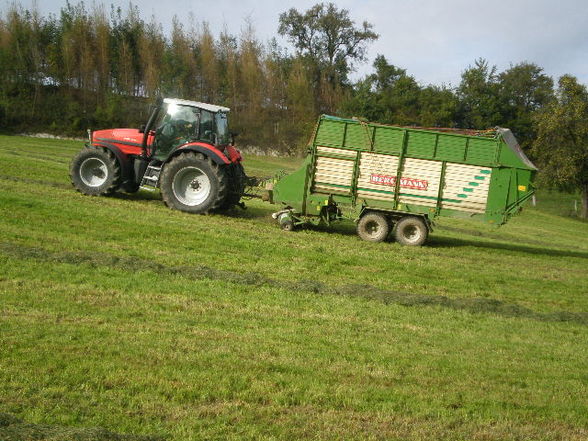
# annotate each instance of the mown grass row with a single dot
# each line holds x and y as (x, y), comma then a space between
(119, 313)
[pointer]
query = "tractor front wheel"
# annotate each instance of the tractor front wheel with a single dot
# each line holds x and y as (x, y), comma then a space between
(192, 183)
(95, 171)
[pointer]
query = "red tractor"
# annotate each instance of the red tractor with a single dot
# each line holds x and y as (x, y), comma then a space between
(185, 150)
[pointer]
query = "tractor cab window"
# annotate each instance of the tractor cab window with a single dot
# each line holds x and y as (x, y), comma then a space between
(179, 121)
(207, 127)
(222, 129)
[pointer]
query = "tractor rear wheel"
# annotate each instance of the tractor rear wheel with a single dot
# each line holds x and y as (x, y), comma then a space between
(192, 183)
(373, 227)
(411, 230)
(95, 171)
(237, 181)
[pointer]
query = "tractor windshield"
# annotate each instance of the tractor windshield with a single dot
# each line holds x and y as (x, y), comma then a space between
(178, 121)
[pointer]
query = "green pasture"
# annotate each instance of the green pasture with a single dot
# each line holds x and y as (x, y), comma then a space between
(122, 319)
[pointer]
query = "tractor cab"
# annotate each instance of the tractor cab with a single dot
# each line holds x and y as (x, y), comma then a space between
(177, 122)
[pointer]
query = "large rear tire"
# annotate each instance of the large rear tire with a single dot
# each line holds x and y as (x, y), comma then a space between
(95, 171)
(373, 227)
(237, 181)
(411, 230)
(192, 183)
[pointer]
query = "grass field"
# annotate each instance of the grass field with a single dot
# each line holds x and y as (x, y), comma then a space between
(120, 316)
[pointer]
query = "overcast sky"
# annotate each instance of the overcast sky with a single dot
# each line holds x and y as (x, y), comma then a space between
(433, 40)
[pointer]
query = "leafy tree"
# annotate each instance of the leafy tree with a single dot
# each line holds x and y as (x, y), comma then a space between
(479, 106)
(389, 95)
(228, 54)
(363, 102)
(127, 33)
(152, 46)
(180, 64)
(251, 88)
(300, 105)
(438, 107)
(209, 84)
(392, 96)
(329, 40)
(523, 89)
(328, 36)
(561, 147)
(386, 74)
(101, 51)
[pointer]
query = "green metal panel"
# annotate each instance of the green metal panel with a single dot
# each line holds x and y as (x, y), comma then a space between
(330, 133)
(451, 148)
(508, 158)
(290, 190)
(481, 151)
(388, 141)
(500, 158)
(421, 144)
(358, 136)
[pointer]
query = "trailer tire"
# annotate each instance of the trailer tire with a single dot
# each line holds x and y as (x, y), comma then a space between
(373, 227)
(411, 230)
(286, 222)
(95, 171)
(193, 183)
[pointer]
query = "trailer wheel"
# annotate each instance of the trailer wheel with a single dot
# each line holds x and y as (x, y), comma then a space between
(286, 222)
(373, 227)
(193, 183)
(95, 171)
(411, 230)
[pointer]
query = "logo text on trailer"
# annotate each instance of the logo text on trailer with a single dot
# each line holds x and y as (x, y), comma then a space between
(414, 184)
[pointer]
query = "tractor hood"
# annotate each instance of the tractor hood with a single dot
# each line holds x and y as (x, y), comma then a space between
(124, 136)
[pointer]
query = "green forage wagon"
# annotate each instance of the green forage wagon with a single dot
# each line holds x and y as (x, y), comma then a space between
(397, 179)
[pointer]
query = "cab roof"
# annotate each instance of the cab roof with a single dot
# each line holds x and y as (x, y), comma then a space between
(210, 107)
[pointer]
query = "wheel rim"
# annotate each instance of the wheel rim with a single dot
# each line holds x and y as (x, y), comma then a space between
(411, 233)
(93, 172)
(372, 228)
(191, 186)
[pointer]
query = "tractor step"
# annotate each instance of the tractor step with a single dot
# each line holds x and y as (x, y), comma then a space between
(150, 180)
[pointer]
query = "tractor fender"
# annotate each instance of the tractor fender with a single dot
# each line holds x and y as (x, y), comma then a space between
(123, 160)
(208, 150)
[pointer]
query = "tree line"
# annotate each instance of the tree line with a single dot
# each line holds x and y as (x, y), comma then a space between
(97, 68)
